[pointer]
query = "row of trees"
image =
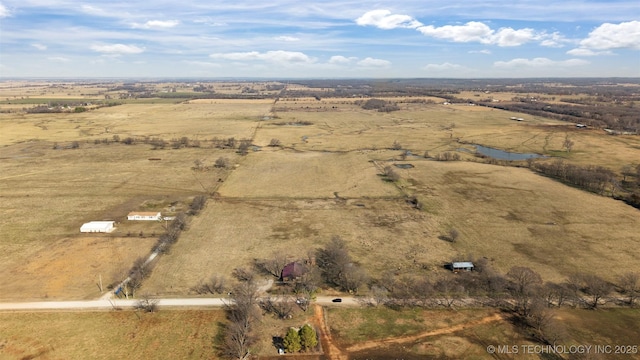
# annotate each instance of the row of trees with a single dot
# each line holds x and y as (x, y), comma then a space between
(592, 178)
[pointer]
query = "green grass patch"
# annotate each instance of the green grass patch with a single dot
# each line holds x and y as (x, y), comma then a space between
(355, 325)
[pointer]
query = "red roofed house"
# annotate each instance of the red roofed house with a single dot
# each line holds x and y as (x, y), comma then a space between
(292, 271)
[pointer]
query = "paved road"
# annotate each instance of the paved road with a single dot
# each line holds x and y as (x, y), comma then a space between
(107, 304)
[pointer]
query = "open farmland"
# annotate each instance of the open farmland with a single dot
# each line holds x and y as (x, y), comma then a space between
(324, 179)
(312, 168)
(48, 193)
(109, 335)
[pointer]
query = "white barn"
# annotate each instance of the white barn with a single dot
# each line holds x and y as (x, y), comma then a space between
(97, 226)
(144, 216)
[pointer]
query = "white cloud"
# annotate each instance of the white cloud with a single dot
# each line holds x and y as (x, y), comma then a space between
(471, 31)
(555, 40)
(156, 24)
(209, 21)
(538, 63)
(287, 38)
(383, 19)
(587, 52)
(117, 49)
(442, 67)
(279, 56)
(92, 10)
(483, 51)
(511, 37)
(4, 12)
(341, 60)
(58, 59)
(475, 31)
(614, 36)
(371, 62)
(39, 46)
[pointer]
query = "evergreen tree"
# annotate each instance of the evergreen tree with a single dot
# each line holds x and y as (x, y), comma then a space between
(308, 337)
(292, 341)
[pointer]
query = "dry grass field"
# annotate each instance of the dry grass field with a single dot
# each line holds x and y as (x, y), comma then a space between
(191, 334)
(109, 335)
(517, 218)
(466, 334)
(324, 180)
(47, 194)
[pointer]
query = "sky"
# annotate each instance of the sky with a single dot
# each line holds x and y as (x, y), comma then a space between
(319, 39)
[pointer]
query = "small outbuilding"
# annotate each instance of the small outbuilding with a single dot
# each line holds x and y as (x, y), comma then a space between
(462, 266)
(97, 227)
(144, 216)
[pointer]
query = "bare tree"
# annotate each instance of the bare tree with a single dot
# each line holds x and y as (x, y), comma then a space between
(630, 286)
(282, 306)
(453, 235)
(627, 171)
(597, 289)
(448, 291)
(390, 173)
(147, 303)
(524, 286)
(242, 313)
(197, 164)
(379, 294)
(275, 142)
(244, 274)
(568, 144)
(274, 264)
(539, 315)
(555, 294)
(574, 285)
(197, 204)
(338, 268)
(215, 285)
(423, 291)
(306, 286)
(352, 277)
(243, 148)
(222, 162)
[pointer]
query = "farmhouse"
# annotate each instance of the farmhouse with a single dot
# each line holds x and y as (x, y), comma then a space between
(97, 226)
(462, 266)
(144, 216)
(293, 271)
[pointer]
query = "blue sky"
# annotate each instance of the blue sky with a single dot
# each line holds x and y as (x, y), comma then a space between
(319, 39)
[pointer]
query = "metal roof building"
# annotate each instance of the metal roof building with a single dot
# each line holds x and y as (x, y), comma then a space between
(97, 226)
(462, 266)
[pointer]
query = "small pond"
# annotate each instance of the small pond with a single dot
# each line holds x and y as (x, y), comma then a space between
(404, 166)
(505, 155)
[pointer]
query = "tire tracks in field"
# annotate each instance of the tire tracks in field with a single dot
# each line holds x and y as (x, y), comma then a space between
(406, 339)
(331, 350)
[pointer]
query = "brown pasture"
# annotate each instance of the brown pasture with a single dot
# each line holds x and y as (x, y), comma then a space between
(284, 198)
